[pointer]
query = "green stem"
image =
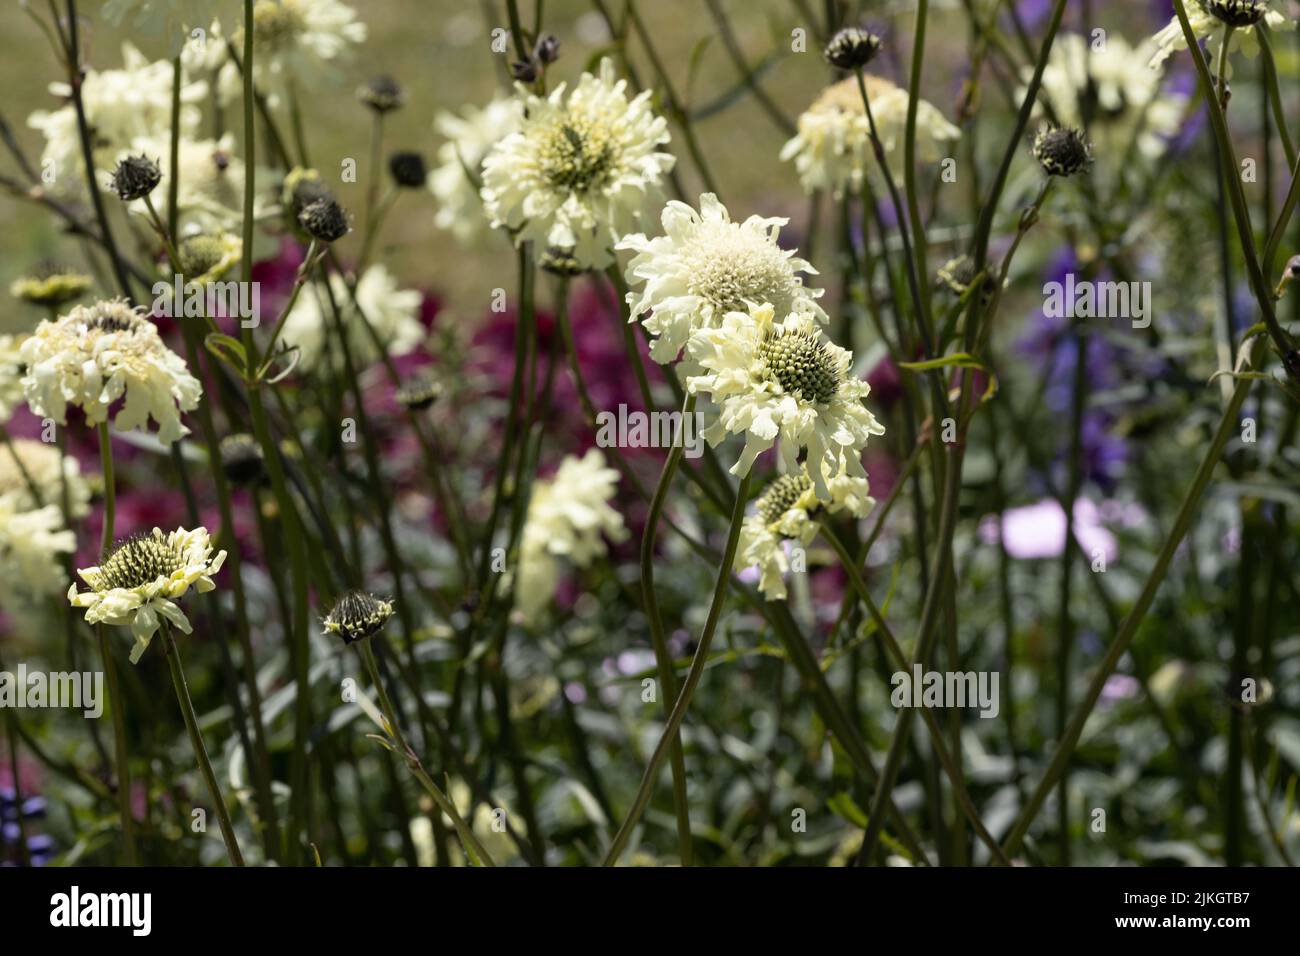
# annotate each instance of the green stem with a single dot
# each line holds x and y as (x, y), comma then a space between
(693, 677)
(173, 654)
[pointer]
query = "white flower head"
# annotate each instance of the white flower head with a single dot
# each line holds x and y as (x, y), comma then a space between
(31, 541)
(393, 313)
(28, 466)
(788, 511)
(457, 177)
(582, 170)
(121, 106)
(99, 353)
(174, 19)
(1205, 24)
(831, 148)
(11, 375)
(301, 42)
(569, 517)
(704, 266)
(1108, 91)
(783, 383)
(138, 584)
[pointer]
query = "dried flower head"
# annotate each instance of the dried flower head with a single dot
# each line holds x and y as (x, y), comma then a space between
(139, 581)
(408, 169)
(302, 187)
(526, 70)
(547, 49)
(51, 286)
(99, 353)
(851, 48)
(357, 615)
(418, 392)
(324, 220)
(136, 177)
(957, 274)
(1062, 151)
(241, 458)
(382, 94)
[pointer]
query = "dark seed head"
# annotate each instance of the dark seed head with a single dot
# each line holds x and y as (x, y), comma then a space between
(357, 615)
(1062, 151)
(408, 169)
(1237, 13)
(110, 315)
(302, 187)
(136, 177)
(547, 49)
(526, 71)
(851, 48)
(803, 365)
(781, 495)
(957, 274)
(382, 94)
(324, 220)
(241, 459)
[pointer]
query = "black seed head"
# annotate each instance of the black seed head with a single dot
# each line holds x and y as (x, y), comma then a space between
(780, 496)
(382, 94)
(408, 169)
(526, 71)
(241, 459)
(1062, 151)
(851, 48)
(324, 220)
(357, 615)
(1237, 13)
(547, 49)
(136, 177)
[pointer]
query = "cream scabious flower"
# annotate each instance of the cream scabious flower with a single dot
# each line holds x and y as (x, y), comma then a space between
(31, 539)
(27, 464)
(1205, 25)
(301, 42)
(457, 177)
(11, 375)
(569, 516)
(97, 354)
(1109, 92)
(781, 382)
(393, 313)
(121, 106)
(787, 511)
(139, 583)
(704, 266)
(582, 169)
(832, 145)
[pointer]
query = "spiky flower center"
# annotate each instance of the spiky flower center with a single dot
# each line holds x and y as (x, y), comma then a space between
(803, 365)
(577, 154)
(781, 495)
(730, 267)
(137, 561)
(1237, 13)
(112, 317)
(358, 615)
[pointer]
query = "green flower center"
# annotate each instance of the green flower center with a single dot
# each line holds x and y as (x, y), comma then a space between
(577, 155)
(803, 365)
(781, 495)
(275, 26)
(137, 561)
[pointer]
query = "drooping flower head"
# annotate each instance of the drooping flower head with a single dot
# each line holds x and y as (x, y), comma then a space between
(788, 510)
(569, 516)
(783, 383)
(831, 148)
(704, 266)
(582, 169)
(99, 353)
(139, 581)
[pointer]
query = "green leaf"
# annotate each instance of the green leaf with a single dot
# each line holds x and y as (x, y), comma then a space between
(956, 360)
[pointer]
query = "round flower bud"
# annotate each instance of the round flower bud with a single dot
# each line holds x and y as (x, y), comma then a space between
(324, 220)
(851, 48)
(547, 49)
(802, 364)
(241, 459)
(382, 94)
(418, 393)
(302, 187)
(525, 71)
(1062, 151)
(207, 257)
(957, 274)
(136, 177)
(408, 169)
(51, 286)
(559, 261)
(1237, 13)
(357, 615)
